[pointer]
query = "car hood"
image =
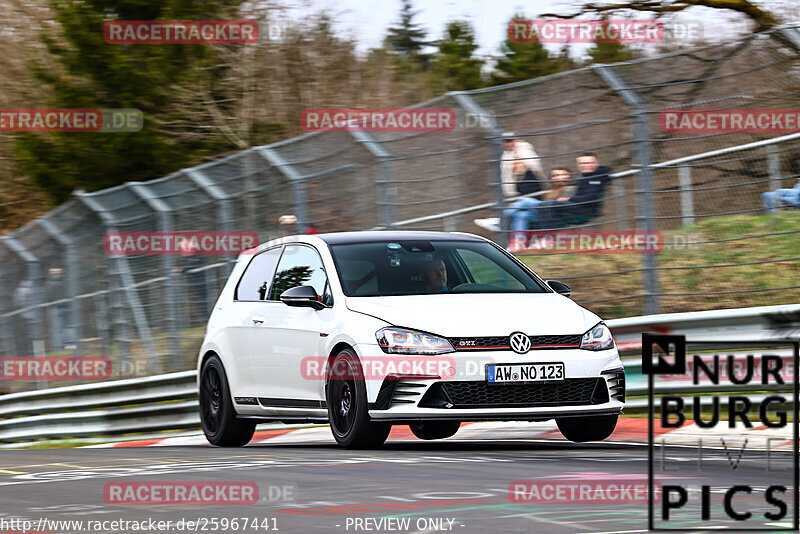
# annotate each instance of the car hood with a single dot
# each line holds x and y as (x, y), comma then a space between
(474, 315)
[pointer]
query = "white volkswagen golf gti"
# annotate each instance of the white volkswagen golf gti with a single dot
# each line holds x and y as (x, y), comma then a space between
(365, 330)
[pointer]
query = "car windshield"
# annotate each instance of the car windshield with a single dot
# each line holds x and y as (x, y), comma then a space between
(413, 267)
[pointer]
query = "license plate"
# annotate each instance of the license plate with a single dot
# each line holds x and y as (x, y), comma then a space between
(501, 373)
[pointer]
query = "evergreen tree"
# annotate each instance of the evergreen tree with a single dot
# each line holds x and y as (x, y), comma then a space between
(455, 62)
(407, 37)
(94, 74)
(564, 61)
(605, 51)
(522, 61)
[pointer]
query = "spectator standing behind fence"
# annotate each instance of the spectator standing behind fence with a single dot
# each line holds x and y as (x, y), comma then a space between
(773, 199)
(520, 174)
(288, 225)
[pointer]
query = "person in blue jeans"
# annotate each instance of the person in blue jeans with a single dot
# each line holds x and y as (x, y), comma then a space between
(773, 199)
(525, 211)
(521, 212)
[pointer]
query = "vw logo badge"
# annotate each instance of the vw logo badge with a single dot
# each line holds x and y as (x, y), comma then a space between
(520, 343)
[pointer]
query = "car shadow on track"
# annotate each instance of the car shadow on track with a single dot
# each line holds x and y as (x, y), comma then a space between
(465, 445)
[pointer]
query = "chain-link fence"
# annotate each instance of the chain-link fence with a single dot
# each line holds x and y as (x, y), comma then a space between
(65, 296)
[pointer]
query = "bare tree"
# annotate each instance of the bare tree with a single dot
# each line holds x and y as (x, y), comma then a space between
(762, 18)
(23, 21)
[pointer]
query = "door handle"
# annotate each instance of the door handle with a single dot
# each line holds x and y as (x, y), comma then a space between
(258, 319)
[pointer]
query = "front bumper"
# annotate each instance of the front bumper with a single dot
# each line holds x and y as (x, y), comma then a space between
(593, 385)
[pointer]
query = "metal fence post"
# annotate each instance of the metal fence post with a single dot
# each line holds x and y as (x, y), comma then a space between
(791, 35)
(118, 324)
(490, 126)
(33, 315)
(122, 270)
(7, 342)
(387, 186)
(101, 316)
(295, 178)
(249, 185)
(163, 213)
(224, 216)
(645, 206)
(774, 166)
(74, 325)
(620, 202)
(386, 189)
(687, 200)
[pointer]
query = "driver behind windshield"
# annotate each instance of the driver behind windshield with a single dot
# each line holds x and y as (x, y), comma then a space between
(434, 275)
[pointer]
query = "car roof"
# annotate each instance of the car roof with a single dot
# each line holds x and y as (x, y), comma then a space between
(340, 238)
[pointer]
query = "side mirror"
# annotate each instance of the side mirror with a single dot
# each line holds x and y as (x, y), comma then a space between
(559, 287)
(302, 296)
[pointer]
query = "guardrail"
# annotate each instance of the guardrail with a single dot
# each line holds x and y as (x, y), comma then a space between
(169, 402)
(163, 402)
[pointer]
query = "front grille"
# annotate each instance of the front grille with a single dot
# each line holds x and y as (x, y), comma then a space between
(569, 341)
(474, 394)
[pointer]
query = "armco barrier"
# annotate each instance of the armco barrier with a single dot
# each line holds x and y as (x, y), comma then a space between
(169, 402)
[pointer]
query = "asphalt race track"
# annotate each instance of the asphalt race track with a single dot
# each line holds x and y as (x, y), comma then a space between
(454, 485)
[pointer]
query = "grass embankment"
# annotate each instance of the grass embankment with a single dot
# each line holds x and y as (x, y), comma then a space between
(714, 241)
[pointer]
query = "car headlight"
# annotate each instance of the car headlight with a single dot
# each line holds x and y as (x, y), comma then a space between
(598, 338)
(404, 341)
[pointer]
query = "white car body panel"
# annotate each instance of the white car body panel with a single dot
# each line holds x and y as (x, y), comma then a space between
(262, 361)
(466, 314)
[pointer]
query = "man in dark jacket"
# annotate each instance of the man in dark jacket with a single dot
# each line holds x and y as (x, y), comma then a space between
(584, 204)
(588, 198)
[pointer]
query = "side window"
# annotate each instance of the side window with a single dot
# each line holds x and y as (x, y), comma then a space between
(485, 271)
(299, 266)
(254, 283)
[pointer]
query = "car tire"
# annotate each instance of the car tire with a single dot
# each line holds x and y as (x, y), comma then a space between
(217, 415)
(346, 398)
(435, 429)
(589, 428)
